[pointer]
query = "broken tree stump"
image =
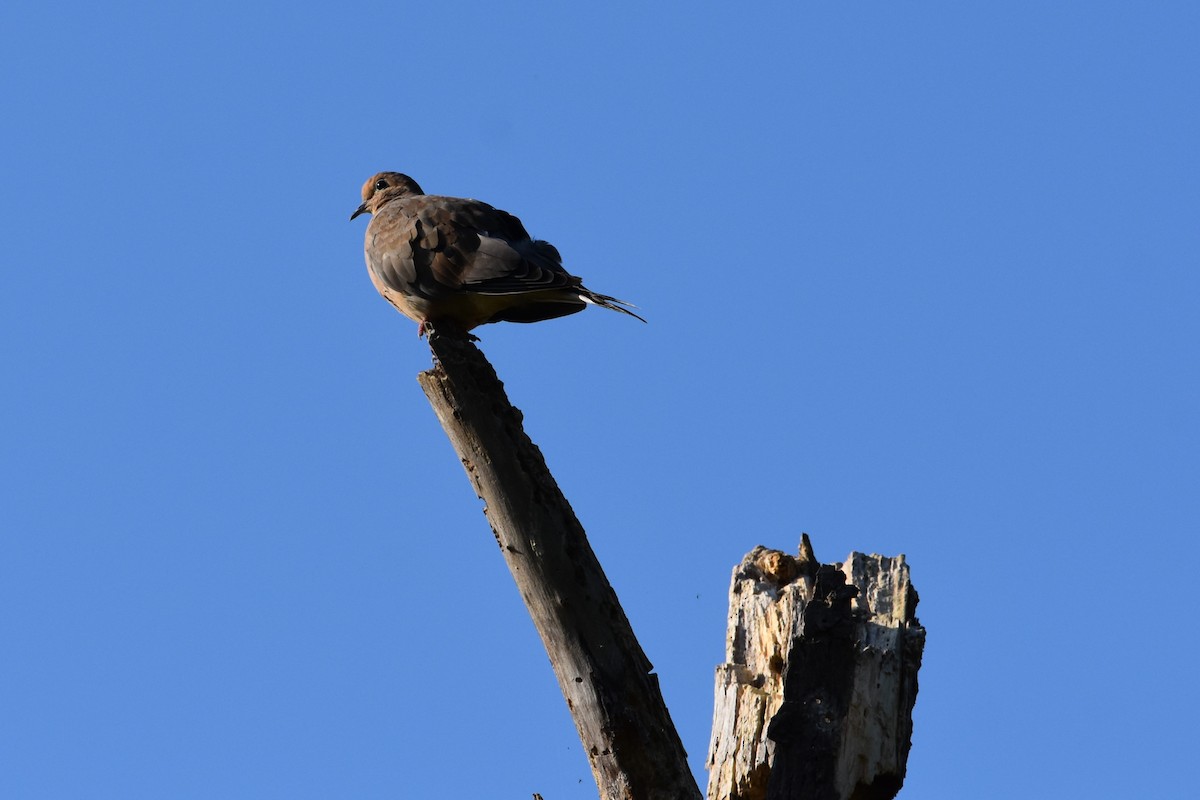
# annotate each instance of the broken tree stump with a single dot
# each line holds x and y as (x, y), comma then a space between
(815, 700)
(614, 698)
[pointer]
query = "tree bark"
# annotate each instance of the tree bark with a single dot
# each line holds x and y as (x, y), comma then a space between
(614, 698)
(816, 699)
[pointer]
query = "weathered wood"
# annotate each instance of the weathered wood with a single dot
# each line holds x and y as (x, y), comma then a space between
(815, 700)
(613, 696)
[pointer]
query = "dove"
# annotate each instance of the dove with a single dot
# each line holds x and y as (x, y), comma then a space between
(454, 262)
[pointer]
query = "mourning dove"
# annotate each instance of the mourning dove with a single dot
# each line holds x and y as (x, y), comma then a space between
(462, 262)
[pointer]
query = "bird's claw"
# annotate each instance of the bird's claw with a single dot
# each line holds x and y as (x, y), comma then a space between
(425, 329)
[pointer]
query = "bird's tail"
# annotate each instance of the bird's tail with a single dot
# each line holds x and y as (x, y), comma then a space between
(606, 301)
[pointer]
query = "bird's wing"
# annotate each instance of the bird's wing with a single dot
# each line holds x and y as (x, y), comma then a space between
(473, 247)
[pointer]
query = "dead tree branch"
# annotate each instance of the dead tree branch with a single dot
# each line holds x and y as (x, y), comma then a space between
(614, 698)
(815, 700)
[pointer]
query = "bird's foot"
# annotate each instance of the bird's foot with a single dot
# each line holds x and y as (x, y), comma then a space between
(427, 329)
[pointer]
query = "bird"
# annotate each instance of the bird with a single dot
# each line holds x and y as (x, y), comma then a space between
(450, 262)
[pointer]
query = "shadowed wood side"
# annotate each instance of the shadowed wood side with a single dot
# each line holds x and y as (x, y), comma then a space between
(614, 698)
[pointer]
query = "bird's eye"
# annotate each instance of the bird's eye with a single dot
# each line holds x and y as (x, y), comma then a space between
(380, 185)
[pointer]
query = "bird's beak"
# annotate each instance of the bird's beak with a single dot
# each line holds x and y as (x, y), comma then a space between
(360, 210)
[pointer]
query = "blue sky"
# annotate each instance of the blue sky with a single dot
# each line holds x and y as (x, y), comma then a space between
(921, 278)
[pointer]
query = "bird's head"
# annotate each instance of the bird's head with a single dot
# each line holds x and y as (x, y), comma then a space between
(384, 187)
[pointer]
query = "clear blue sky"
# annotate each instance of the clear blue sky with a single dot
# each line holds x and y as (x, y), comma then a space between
(921, 278)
